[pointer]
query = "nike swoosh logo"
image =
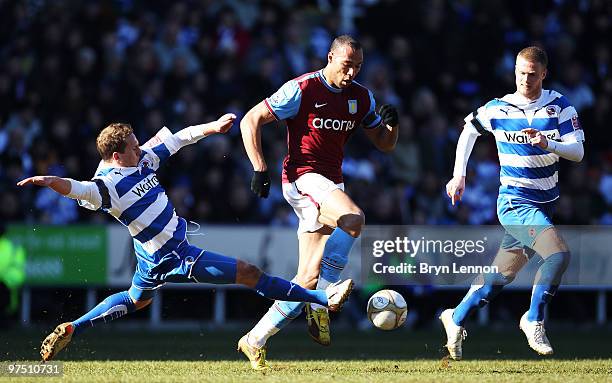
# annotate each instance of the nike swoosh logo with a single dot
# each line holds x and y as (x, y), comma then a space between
(319, 105)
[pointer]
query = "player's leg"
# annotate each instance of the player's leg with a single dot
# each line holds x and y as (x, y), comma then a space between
(215, 268)
(311, 253)
(509, 260)
(312, 236)
(113, 307)
(339, 211)
(281, 313)
(304, 196)
(556, 256)
(530, 223)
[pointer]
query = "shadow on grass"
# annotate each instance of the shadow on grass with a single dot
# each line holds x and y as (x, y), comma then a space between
(481, 344)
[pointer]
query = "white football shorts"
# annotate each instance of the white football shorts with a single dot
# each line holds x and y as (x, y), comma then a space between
(305, 195)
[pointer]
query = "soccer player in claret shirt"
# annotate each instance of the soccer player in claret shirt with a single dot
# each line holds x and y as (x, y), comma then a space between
(533, 128)
(126, 187)
(322, 110)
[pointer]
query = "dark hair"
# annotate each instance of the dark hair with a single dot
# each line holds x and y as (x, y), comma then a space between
(534, 54)
(113, 139)
(345, 40)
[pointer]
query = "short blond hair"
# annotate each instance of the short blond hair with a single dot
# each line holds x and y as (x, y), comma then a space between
(113, 139)
(534, 54)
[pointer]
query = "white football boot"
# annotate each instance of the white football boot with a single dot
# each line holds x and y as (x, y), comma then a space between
(536, 335)
(455, 335)
(337, 293)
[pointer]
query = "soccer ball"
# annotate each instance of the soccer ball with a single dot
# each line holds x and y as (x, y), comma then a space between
(387, 309)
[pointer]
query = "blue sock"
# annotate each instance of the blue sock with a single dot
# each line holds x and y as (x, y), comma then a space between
(545, 288)
(113, 307)
(479, 296)
(335, 257)
(281, 289)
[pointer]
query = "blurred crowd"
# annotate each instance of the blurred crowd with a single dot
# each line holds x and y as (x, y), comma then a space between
(69, 68)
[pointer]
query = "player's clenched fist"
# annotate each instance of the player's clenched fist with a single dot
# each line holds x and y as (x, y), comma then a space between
(260, 184)
(224, 123)
(389, 115)
(455, 188)
(536, 138)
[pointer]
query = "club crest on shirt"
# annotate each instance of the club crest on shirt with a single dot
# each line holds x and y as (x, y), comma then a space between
(144, 163)
(551, 111)
(352, 106)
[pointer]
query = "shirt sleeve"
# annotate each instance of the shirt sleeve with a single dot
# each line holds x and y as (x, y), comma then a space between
(479, 120)
(285, 102)
(570, 150)
(371, 119)
(158, 148)
(570, 129)
(87, 193)
(467, 138)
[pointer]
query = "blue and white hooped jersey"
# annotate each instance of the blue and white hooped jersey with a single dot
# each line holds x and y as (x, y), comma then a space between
(527, 171)
(135, 198)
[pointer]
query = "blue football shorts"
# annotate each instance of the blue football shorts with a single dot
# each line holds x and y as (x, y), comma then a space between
(186, 264)
(523, 221)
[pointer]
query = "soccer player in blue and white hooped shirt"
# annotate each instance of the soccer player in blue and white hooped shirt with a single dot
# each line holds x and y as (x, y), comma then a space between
(533, 128)
(126, 187)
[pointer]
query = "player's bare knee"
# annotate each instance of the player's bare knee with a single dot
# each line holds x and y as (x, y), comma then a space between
(352, 222)
(247, 274)
(510, 261)
(549, 242)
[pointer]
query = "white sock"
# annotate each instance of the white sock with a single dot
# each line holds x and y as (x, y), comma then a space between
(263, 330)
(321, 285)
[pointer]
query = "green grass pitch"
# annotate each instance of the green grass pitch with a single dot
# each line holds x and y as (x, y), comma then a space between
(107, 355)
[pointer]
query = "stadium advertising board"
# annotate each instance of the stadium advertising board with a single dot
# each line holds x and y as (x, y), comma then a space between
(63, 255)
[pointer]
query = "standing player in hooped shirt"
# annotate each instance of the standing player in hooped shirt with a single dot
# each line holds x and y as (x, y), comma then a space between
(125, 186)
(533, 127)
(322, 109)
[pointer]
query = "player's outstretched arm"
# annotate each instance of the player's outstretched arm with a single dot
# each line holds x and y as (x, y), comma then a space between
(57, 184)
(250, 129)
(456, 186)
(194, 133)
(85, 191)
(384, 137)
(221, 125)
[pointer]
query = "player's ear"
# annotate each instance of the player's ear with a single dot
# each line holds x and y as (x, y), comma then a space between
(544, 73)
(330, 56)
